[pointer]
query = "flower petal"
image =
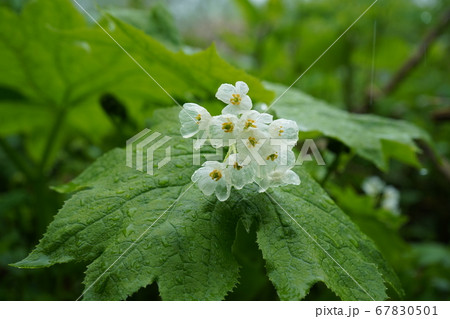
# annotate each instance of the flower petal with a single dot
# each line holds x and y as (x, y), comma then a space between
(265, 118)
(207, 185)
(223, 190)
(201, 172)
(220, 134)
(246, 103)
(241, 87)
(193, 117)
(263, 184)
(230, 109)
(189, 127)
(224, 93)
(285, 129)
(291, 178)
(201, 140)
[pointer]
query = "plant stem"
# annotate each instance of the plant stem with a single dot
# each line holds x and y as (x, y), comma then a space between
(17, 159)
(333, 167)
(54, 132)
(230, 150)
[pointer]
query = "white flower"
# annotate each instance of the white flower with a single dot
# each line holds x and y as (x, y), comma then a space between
(223, 130)
(275, 173)
(241, 174)
(262, 107)
(253, 145)
(373, 186)
(390, 200)
(194, 120)
(235, 97)
(283, 135)
(284, 129)
(253, 131)
(251, 120)
(213, 177)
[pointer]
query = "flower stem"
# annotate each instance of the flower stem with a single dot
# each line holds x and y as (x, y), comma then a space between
(232, 148)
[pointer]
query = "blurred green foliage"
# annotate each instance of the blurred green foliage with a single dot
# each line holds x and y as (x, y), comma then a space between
(57, 116)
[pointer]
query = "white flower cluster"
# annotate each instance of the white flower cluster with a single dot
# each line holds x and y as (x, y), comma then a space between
(390, 196)
(259, 148)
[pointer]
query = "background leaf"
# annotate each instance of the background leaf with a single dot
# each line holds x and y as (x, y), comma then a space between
(61, 67)
(372, 137)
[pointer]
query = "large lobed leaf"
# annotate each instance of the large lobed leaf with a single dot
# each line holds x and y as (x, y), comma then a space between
(188, 251)
(59, 66)
(51, 55)
(372, 137)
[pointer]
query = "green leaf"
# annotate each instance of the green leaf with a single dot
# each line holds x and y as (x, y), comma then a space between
(295, 253)
(60, 65)
(48, 71)
(15, 117)
(188, 249)
(372, 137)
(156, 21)
(50, 55)
(182, 75)
(36, 60)
(380, 225)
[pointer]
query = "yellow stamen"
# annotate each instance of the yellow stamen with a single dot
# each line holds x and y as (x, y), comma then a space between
(228, 127)
(237, 166)
(236, 99)
(252, 141)
(280, 131)
(272, 157)
(215, 175)
(198, 118)
(249, 123)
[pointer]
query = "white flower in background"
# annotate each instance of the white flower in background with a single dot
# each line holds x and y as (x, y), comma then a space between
(390, 196)
(373, 186)
(212, 178)
(259, 148)
(235, 97)
(391, 199)
(261, 107)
